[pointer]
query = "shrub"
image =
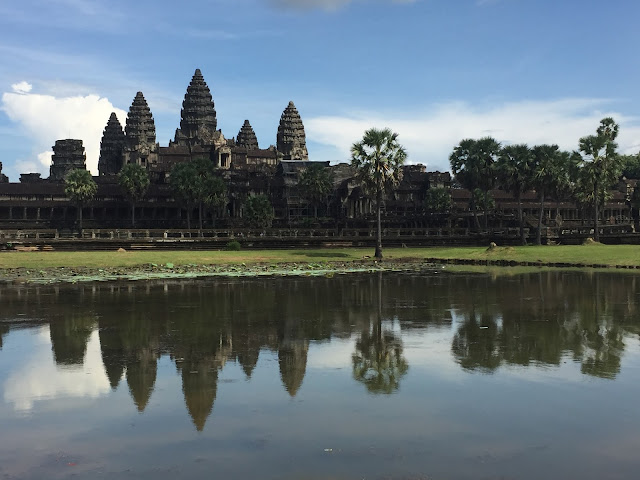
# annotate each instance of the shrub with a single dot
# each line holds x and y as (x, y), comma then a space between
(232, 246)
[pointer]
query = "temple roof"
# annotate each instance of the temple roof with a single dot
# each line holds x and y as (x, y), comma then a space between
(291, 139)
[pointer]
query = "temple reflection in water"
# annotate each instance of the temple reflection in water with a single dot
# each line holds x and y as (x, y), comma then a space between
(527, 320)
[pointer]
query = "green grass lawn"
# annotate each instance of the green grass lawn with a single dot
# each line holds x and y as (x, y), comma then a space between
(580, 254)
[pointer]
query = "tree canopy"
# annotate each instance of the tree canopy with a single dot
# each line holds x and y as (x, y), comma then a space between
(472, 163)
(134, 180)
(80, 187)
(378, 159)
(315, 185)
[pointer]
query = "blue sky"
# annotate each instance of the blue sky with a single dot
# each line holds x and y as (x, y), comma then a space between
(435, 71)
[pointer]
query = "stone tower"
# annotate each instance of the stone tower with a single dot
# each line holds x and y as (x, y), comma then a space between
(198, 120)
(3, 177)
(140, 133)
(67, 155)
(292, 142)
(247, 137)
(111, 147)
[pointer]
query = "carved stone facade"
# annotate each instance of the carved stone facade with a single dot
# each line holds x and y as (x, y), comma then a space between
(111, 147)
(140, 132)
(67, 155)
(291, 140)
(247, 137)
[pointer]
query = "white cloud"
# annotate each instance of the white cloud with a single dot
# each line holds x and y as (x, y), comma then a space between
(22, 87)
(430, 135)
(46, 118)
(40, 379)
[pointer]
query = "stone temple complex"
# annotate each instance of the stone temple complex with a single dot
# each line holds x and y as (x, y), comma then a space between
(247, 170)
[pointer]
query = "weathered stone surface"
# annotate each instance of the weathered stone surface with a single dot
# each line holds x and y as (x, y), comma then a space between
(292, 142)
(198, 120)
(3, 177)
(67, 155)
(140, 128)
(111, 147)
(247, 137)
(140, 134)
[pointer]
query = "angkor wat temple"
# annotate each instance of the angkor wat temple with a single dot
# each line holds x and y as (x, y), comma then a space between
(247, 169)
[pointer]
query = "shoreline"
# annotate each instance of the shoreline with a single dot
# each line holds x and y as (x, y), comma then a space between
(152, 271)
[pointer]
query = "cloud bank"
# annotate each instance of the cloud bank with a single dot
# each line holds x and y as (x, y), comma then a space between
(430, 135)
(46, 118)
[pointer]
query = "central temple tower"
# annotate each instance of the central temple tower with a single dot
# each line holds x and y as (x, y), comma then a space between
(198, 122)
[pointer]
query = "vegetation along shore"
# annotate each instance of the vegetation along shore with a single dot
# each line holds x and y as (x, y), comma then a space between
(50, 267)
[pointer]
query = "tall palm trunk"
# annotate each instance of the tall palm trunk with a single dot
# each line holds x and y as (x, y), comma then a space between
(596, 232)
(378, 253)
(540, 215)
(200, 218)
(80, 217)
(523, 239)
(133, 214)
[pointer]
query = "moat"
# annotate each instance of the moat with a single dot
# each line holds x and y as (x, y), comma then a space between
(434, 375)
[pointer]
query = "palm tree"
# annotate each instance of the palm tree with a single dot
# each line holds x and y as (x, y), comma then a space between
(544, 176)
(601, 164)
(378, 160)
(514, 168)
(80, 187)
(134, 180)
(472, 163)
(315, 185)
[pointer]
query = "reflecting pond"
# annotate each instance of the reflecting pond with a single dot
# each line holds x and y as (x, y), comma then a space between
(380, 376)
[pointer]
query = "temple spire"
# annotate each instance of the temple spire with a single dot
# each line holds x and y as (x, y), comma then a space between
(291, 141)
(198, 110)
(140, 128)
(247, 137)
(111, 147)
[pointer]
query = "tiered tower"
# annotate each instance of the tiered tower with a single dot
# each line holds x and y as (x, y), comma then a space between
(3, 177)
(198, 120)
(140, 133)
(67, 155)
(247, 137)
(292, 142)
(111, 147)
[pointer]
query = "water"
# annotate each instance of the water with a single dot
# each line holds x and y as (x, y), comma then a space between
(381, 376)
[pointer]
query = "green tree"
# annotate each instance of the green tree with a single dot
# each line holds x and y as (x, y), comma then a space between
(601, 165)
(258, 211)
(134, 180)
(544, 176)
(437, 200)
(315, 185)
(194, 184)
(472, 163)
(181, 181)
(215, 194)
(630, 165)
(377, 160)
(80, 187)
(514, 170)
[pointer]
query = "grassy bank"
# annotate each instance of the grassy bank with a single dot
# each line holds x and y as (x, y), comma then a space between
(587, 255)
